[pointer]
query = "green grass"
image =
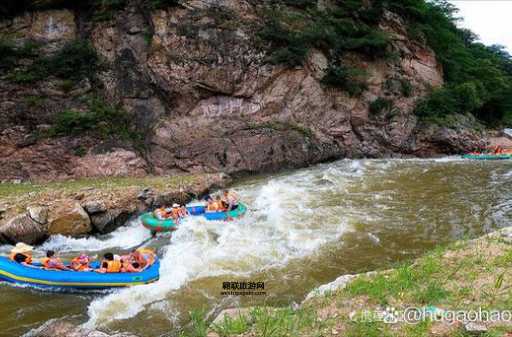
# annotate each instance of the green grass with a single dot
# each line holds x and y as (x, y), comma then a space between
(232, 326)
(420, 329)
(433, 293)
(105, 183)
(280, 322)
(367, 329)
(199, 325)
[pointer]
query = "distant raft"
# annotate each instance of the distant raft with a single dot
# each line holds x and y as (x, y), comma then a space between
(487, 156)
(151, 222)
(13, 272)
(223, 216)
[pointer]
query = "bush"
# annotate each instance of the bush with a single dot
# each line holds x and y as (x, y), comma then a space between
(104, 10)
(75, 61)
(406, 87)
(439, 102)
(291, 32)
(99, 119)
(348, 79)
(380, 105)
(10, 54)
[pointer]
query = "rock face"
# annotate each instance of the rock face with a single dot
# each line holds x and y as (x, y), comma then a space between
(205, 99)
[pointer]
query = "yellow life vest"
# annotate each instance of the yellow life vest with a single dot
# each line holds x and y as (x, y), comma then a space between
(114, 266)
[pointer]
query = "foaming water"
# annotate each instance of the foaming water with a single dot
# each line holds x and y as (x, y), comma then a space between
(124, 237)
(272, 233)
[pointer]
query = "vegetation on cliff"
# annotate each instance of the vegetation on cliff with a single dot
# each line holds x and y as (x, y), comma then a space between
(478, 78)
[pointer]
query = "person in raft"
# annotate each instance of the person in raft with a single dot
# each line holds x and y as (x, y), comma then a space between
(53, 262)
(144, 257)
(230, 200)
(136, 261)
(175, 212)
(81, 263)
(22, 253)
(215, 205)
(110, 264)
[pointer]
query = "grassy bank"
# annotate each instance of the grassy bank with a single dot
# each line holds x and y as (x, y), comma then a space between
(464, 276)
(103, 183)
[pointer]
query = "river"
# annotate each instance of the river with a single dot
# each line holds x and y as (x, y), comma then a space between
(304, 228)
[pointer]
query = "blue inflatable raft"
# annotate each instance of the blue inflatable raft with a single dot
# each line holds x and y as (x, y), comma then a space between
(165, 225)
(222, 216)
(17, 273)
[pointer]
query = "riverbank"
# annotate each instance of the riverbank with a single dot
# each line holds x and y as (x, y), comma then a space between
(463, 276)
(32, 212)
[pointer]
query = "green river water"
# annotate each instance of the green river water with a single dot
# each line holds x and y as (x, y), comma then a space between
(304, 228)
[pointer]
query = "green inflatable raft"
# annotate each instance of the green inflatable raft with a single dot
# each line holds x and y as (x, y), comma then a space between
(151, 222)
(487, 156)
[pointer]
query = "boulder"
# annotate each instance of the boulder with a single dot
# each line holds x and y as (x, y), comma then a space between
(68, 218)
(106, 222)
(338, 284)
(93, 207)
(23, 228)
(38, 213)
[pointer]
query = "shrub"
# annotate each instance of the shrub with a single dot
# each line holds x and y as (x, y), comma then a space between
(380, 105)
(104, 10)
(406, 87)
(100, 119)
(10, 53)
(75, 61)
(291, 32)
(343, 77)
(439, 102)
(159, 4)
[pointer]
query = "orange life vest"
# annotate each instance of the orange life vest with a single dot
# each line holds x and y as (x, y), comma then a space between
(175, 212)
(46, 262)
(114, 266)
(77, 265)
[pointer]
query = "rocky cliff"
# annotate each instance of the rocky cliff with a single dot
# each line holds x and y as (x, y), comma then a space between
(201, 96)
